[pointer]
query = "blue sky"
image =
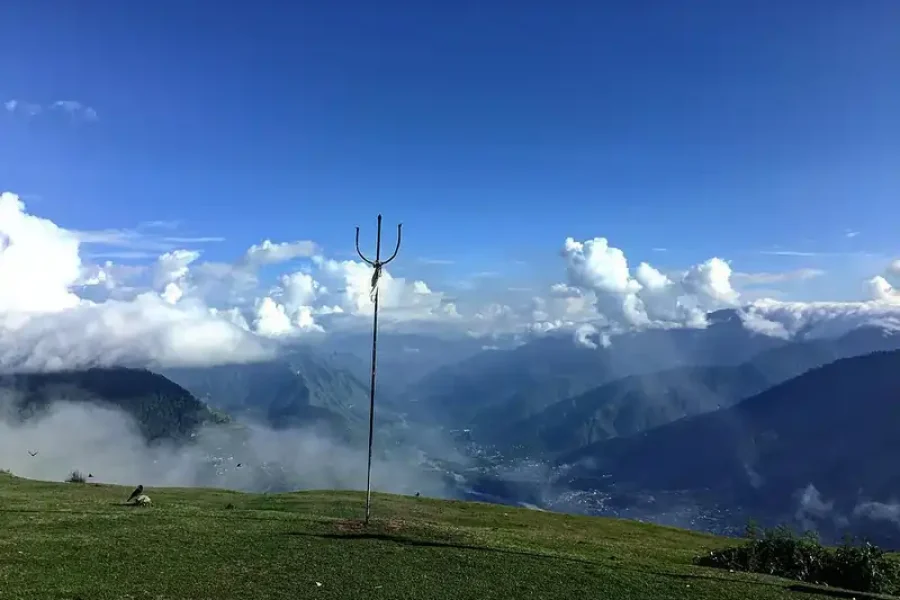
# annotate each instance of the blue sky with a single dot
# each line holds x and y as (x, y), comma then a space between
(493, 130)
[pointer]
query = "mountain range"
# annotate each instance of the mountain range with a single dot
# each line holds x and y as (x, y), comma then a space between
(298, 389)
(637, 403)
(162, 409)
(833, 428)
(724, 414)
(518, 383)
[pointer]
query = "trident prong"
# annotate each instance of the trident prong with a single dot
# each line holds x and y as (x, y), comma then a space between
(377, 265)
(380, 263)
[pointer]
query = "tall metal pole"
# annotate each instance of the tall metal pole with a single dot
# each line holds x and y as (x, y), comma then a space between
(377, 265)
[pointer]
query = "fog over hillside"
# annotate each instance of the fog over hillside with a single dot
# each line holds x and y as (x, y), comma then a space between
(106, 443)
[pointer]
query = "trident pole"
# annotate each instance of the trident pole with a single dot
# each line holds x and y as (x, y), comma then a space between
(377, 265)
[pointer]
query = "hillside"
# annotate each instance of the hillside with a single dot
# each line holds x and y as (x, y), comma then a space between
(638, 403)
(298, 389)
(833, 427)
(516, 384)
(403, 358)
(161, 408)
(630, 405)
(80, 541)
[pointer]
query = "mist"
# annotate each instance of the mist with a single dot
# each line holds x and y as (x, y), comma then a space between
(106, 443)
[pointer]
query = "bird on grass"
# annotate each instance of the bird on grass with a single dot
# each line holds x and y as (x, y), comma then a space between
(137, 492)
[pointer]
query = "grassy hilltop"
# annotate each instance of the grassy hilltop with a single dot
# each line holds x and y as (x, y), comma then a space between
(79, 541)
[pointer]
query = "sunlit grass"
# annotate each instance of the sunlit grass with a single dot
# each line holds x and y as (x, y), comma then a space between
(81, 541)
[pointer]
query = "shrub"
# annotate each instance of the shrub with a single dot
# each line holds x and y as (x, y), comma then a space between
(781, 553)
(866, 568)
(5, 472)
(76, 477)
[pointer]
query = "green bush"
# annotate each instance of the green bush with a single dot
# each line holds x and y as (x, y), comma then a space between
(782, 553)
(76, 477)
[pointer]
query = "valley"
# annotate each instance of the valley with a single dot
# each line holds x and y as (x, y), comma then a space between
(705, 447)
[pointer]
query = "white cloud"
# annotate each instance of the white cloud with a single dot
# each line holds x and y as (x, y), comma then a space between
(56, 310)
(272, 319)
(39, 262)
(300, 289)
(172, 267)
(109, 275)
(160, 224)
(882, 291)
(194, 240)
(141, 243)
(818, 319)
(142, 331)
(650, 298)
(295, 314)
(584, 335)
(72, 108)
(28, 109)
(44, 324)
(790, 253)
(269, 253)
(75, 109)
(894, 268)
(398, 298)
(764, 278)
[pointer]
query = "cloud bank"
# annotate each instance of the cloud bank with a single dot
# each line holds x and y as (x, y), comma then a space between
(59, 308)
(105, 443)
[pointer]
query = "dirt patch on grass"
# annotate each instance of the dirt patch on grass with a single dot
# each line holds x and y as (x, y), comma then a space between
(382, 525)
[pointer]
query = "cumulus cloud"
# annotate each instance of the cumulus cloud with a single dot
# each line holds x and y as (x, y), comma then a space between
(45, 325)
(603, 294)
(269, 253)
(894, 268)
(564, 307)
(172, 267)
(817, 319)
(56, 310)
(882, 291)
(277, 320)
(398, 298)
(145, 331)
(649, 297)
(39, 262)
(109, 275)
(300, 289)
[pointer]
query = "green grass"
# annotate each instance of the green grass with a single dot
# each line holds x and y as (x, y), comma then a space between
(79, 541)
